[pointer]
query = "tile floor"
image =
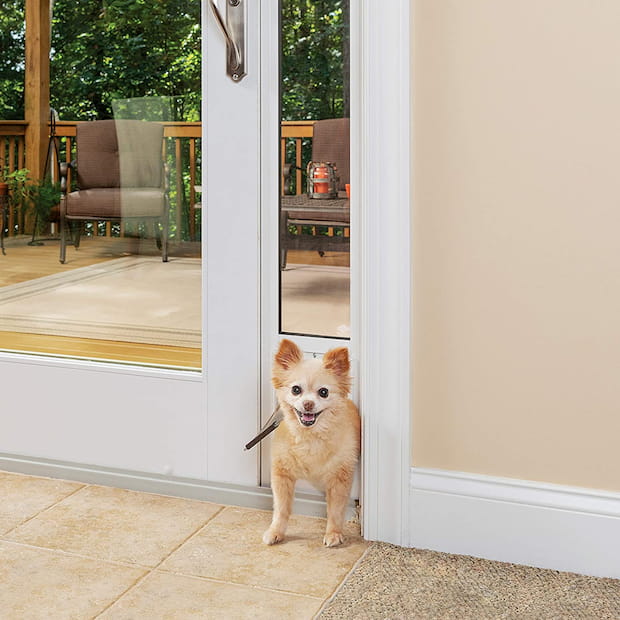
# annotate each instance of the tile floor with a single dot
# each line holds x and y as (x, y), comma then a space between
(72, 550)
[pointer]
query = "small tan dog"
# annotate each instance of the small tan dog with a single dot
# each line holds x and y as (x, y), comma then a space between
(318, 439)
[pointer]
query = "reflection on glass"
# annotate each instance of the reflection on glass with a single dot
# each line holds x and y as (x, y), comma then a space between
(127, 286)
(315, 184)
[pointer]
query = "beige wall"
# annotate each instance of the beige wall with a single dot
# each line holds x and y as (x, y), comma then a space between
(516, 239)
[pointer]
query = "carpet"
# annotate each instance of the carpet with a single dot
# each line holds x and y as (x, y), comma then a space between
(393, 583)
(129, 299)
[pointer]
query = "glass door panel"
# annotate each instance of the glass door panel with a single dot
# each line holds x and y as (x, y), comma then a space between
(114, 271)
(315, 189)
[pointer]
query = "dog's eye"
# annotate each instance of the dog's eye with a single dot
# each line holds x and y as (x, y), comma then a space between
(323, 392)
(296, 390)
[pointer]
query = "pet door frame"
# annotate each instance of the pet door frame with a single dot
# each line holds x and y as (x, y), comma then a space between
(380, 343)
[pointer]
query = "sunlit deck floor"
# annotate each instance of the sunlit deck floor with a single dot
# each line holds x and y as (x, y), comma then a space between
(24, 263)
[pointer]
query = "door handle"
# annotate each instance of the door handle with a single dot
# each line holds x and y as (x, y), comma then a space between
(233, 29)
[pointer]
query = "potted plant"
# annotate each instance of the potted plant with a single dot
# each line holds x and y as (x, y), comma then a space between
(13, 190)
(42, 196)
(14, 184)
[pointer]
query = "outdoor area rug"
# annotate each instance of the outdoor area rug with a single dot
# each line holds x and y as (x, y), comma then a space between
(129, 299)
(393, 583)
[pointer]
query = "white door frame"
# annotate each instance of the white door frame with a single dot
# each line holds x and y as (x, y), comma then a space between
(381, 171)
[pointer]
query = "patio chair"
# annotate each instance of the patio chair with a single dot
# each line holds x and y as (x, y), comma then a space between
(120, 177)
(330, 142)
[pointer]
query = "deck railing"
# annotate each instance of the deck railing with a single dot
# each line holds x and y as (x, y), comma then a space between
(183, 149)
(295, 138)
(12, 157)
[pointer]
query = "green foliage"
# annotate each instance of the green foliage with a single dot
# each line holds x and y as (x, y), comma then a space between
(36, 196)
(119, 49)
(17, 180)
(11, 59)
(41, 197)
(104, 50)
(14, 178)
(315, 59)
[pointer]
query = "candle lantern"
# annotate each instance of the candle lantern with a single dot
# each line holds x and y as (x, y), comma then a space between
(322, 180)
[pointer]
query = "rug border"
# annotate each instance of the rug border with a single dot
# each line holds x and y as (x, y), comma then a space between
(97, 330)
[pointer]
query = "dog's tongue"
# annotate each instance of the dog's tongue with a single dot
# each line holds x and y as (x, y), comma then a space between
(307, 417)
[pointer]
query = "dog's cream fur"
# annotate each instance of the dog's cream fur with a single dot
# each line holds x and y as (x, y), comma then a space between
(318, 439)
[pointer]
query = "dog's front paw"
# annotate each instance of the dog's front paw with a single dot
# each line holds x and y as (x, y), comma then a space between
(333, 539)
(273, 536)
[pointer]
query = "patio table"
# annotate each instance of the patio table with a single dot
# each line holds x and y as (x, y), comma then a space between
(304, 211)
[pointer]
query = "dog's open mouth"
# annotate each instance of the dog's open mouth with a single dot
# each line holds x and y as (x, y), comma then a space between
(307, 418)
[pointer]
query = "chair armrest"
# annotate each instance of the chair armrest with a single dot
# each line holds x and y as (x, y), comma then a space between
(64, 174)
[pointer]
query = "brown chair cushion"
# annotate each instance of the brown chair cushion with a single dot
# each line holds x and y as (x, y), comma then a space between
(115, 203)
(119, 153)
(330, 143)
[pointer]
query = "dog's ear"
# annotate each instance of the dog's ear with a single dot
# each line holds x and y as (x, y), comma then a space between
(337, 361)
(288, 355)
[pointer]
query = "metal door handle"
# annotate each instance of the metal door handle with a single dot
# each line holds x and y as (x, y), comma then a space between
(233, 29)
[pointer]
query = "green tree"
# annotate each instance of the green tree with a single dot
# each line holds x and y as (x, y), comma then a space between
(118, 49)
(315, 59)
(104, 50)
(11, 59)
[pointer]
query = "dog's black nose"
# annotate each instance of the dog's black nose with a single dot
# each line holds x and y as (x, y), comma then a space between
(308, 405)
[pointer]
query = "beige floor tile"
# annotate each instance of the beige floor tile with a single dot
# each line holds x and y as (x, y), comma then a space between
(42, 584)
(230, 548)
(177, 597)
(22, 497)
(115, 524)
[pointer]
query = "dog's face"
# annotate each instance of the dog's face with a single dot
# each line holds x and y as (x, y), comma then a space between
(310, 387)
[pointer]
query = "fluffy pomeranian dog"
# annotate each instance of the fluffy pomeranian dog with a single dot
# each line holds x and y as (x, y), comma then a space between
(318, 439)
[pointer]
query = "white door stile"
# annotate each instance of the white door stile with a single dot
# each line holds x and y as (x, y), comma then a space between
(232, 180)
(269, 227)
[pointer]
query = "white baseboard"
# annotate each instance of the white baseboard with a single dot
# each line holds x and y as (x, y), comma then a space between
(536, 524)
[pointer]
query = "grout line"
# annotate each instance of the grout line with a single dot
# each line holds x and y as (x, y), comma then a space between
(10, 531)
(339, 587)
(163, 571)
(238, 584)
(154, 568)
(73, 554)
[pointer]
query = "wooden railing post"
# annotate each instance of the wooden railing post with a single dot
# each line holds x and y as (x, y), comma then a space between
(37, 84)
